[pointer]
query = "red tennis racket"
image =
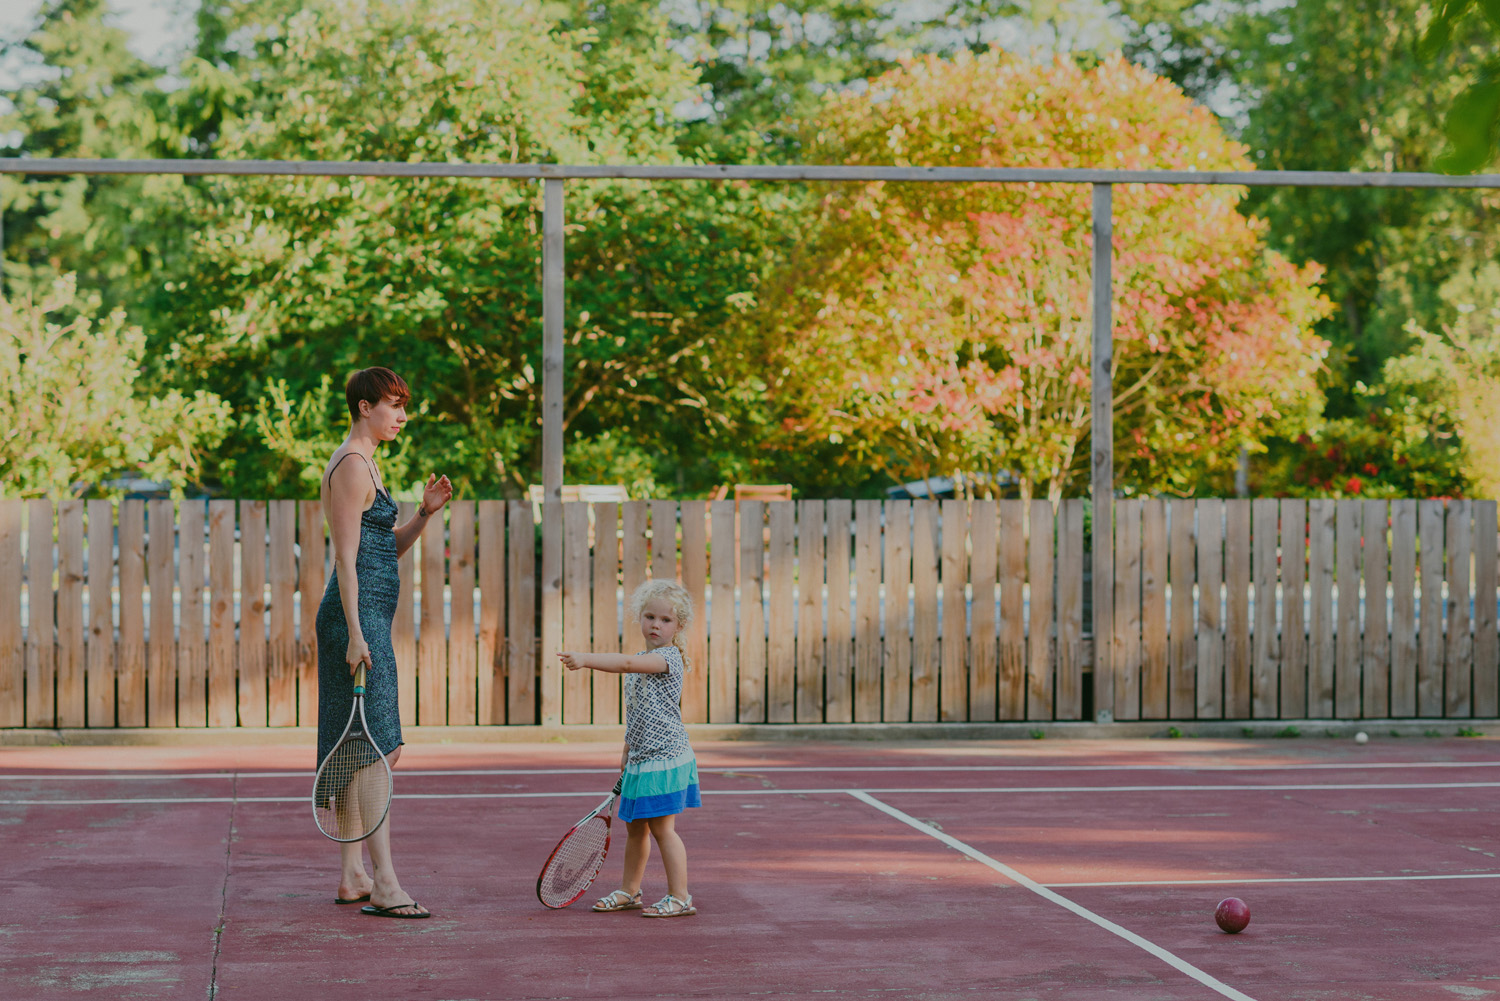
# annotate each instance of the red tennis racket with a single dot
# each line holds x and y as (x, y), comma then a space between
(578, 857)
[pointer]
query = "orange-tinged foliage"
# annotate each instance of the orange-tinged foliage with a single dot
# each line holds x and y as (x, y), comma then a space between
(934, 329)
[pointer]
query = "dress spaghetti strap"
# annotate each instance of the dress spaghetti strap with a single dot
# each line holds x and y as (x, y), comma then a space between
(371, 465)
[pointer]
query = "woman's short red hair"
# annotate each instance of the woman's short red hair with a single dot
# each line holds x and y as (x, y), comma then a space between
(373, 385)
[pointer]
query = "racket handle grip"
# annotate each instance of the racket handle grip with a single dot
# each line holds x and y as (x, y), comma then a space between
(359, 679)
(619, 784)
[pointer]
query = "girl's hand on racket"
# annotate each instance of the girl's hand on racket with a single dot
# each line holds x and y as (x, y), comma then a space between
(437, 493)
(572, 661)
(359, 652)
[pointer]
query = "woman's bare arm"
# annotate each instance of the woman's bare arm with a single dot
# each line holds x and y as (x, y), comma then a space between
(437, 493)
(350, 491)
(615, 663)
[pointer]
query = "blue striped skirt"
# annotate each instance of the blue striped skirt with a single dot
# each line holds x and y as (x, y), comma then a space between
(661, 788)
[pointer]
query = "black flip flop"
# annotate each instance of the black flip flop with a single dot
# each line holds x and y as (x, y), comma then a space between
(390, 912)
(351, 900)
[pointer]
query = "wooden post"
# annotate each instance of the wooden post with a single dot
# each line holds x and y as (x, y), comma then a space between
(552, 448)
(1102, 479)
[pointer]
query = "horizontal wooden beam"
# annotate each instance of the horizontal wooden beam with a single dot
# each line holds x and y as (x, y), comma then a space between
(728, 172)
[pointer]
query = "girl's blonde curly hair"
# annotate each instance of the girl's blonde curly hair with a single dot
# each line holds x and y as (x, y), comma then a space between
(677, 598)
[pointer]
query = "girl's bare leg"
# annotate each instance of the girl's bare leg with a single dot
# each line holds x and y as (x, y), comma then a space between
(673, 854)
(637, 852)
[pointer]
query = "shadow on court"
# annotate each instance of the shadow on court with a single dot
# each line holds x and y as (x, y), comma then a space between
(185, 873)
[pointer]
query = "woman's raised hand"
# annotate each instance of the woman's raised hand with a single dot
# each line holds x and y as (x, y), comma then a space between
(572, 661)
(437, 493)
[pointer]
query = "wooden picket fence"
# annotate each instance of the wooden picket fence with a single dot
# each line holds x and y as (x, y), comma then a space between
(191, 614)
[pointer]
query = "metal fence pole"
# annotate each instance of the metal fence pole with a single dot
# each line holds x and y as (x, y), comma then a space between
(1102, 478)
(552, 448)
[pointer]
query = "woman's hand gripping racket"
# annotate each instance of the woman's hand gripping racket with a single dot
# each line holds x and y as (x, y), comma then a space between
(352, 791)
(578, 857)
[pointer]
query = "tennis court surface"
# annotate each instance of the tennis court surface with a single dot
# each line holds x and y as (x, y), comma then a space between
(1080, 870)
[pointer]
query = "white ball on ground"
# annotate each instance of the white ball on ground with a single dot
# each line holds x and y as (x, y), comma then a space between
(1361, 737)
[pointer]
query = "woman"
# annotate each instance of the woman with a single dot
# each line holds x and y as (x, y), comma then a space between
(359, 604)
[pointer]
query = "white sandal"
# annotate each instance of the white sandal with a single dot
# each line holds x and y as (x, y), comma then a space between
(614, 902)
(671, 907)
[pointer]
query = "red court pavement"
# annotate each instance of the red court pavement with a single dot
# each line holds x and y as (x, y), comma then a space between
(190, 873)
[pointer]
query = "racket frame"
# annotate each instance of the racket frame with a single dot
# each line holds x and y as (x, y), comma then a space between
(608, 833)
(355, 712)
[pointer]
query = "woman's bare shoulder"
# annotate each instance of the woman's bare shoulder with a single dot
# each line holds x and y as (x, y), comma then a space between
(352, 477)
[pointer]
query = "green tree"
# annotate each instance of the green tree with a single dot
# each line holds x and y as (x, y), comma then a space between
(68, 374)
(931, 330)
(1473, 120)
(87, 95)
(289, 282)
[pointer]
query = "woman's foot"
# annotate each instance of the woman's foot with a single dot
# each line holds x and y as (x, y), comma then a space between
(396, 909)
(353, 890)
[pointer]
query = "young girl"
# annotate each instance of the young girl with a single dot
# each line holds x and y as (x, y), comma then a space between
(661, 773)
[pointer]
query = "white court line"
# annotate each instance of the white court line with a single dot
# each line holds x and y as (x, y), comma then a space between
(1281, 879)
(778, 769)
(1056, 898)
(786, 792)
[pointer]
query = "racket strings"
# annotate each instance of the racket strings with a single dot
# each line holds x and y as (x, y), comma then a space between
(574, 864)
(352, 791)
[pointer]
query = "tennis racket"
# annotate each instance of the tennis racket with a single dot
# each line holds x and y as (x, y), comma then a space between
(578, 857)
(352, 791)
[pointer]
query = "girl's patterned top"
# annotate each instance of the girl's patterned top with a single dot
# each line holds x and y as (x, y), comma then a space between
(653, 716)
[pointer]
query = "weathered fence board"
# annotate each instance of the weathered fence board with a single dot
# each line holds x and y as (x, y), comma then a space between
(490, 694)
(1237, 583)
(100, 670)
(695, 579)
(41, 646)
(867, 642)
(781, 616)
(984, 568)
(1039, 641)
(1486, 641)
(924, 575)
(313, 552)
(12, 637)
(1293, 618)
(130, 654)
(1154, 657)
(192, 646)
(606, 687)
(1265, 519)
(1127, 618)
(838, 668)
(1069, 683)
(1430, 617)
(281, 652)
(953, 669)
(1403, 608)
(1210, 687)
(161, 641)
(810, 634)
(1458, 673)
(722, 659)
(1320, 562)
(577, 632)
(1375, 670)
(1011, 659)
(70, 627)
(896, 696)
(752, 649)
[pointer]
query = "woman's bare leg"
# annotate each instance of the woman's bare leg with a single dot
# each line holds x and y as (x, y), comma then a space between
(387, 890)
